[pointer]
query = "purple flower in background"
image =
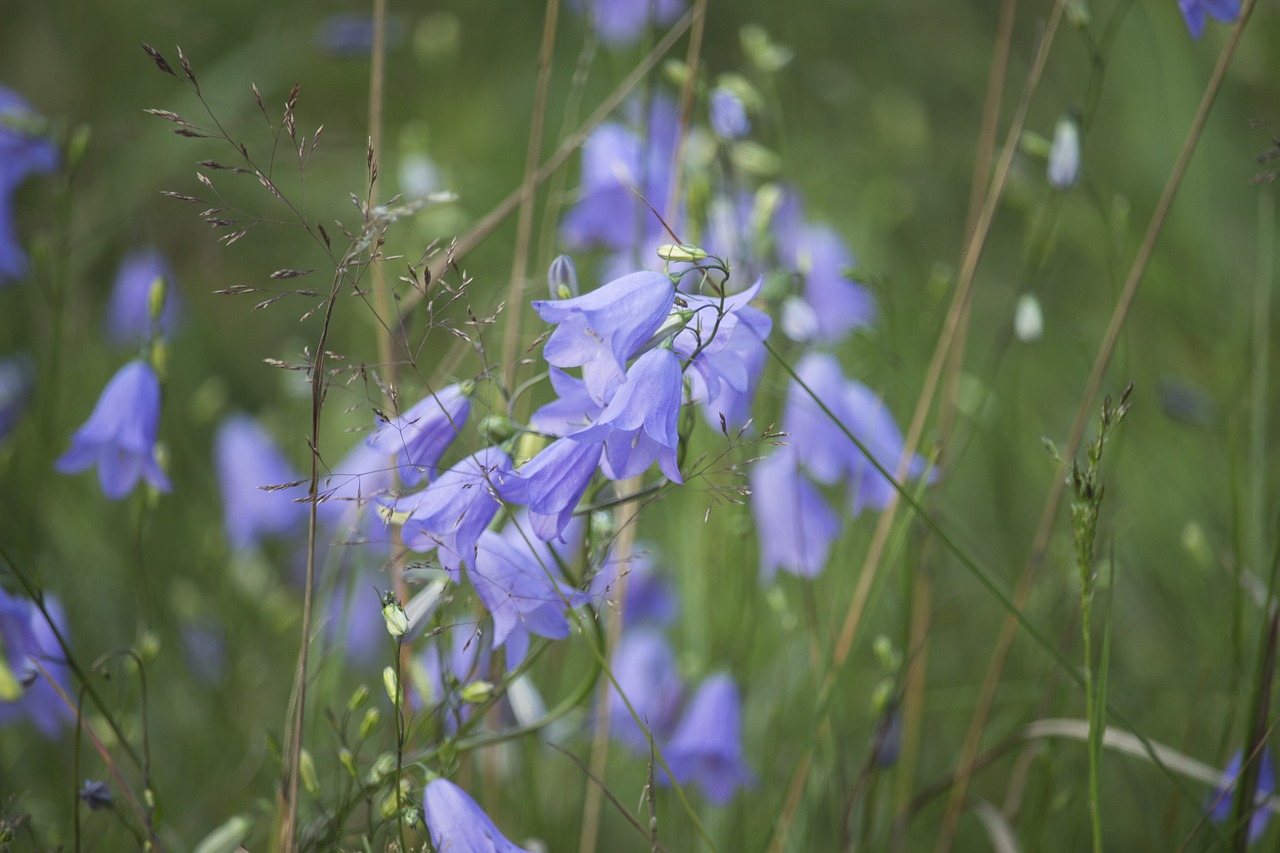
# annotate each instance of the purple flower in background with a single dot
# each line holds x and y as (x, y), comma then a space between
(794, 523)
(517, 590)
(600, 330)
(248, 463)
(621, 23)
(649, 596)
(449, 515)
(464, 657)
(728, 114)
(359, 479)
(420, 436)
(639, 424)
(1194, 12)
(28, 646)
(350, 35)
(725, 340)
(706, 748)
(573, 408)
(129, 312)
(456, 823)
(15, 388)
(95, 794)
(21, 154)
(839, 304)
(645, 668)
(552, 483)
(120, 435)
(1223, 800)
(1064, 154)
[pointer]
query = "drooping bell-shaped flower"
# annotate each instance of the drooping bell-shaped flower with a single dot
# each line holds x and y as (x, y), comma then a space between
(839, 304)
(456, 823)
(645, 669)
(419, 437)
(572, 410)
(620, 23)
(520, 593)
(120, 435)
(706, 749)
(552, 483)
(599, 331)
(1194, 13)
(22, 153)
(249, 466)
(794, 524)
(30, 657)
(725, 341)
(728, 115)
(449, 515)
(129, 311)
(639, 424)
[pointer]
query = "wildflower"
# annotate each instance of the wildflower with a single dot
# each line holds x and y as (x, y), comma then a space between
(95, 794)
(1064, 154)
(1194, 12)
(420, 436)
(840, 304)
(562, 278)
(397, 621)
(1223, 800)
(518, 591)
(600, 330)
(706, 748)
(796, 527)
(639, 424)
(620, 23)
(120, 435)
(644, 668)
(250, 469)
(457, 823)
(573, 409)
(728, 114)
(724, 341)
(22, 153)
(552, 483)
(444, 667)
(29, 657)
(451, 513)
(129, 312)
(649, 596)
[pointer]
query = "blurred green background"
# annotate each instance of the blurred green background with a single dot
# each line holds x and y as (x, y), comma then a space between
(876, 122)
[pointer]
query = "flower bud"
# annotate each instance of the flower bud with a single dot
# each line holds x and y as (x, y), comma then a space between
(358, 698)
(348, 761)
(477, 692)
(1028, 319)
(1064, 154)
(382, 767)
(391, 681)
(678, 252)
(562, 278)
(395, 618)
(307, 770)
(370, 722)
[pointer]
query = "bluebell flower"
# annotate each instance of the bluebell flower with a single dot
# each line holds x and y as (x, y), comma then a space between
(249, 464)
(518, 591)
(15, 389)
(639, 424)
(128, 313)
(456, 823)
(562, 278)
(600, 330)
(620, 23)
(1224, 799)
(706, 749)
(449, 515)
(95, 794)
(650, 599)
(725, 342)
(464, 657)
(573, 408)
(21, 154)
(794, 524)
(28, 646)
(1194, 12)
(420, 436)
(1064, 154)
(552, 483)
(728, 114)
(840, 304)
(348, 491)
(644, 667)
(120, 435)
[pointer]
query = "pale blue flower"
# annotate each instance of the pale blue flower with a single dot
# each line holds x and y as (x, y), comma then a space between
(250, 469)
(129, 311)
(31, 657)
(420, 436)
(21, 154)
(1194, 12)
(706, 749)
(793, 522)
(644, 667)
(458, 825)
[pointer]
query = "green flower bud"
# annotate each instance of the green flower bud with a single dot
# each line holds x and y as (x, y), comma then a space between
(477, 692)
(307, 770)
(394, 616)
(680, 252)
(372, 717)
(358, 698)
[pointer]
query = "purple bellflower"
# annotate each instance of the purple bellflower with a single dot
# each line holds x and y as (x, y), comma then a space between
(518, 591)
(728, 114)
(649, 599)
(706, 748)
(28, 645)
(552, 483)
(1223, 800)
(446, 665)
(795, 525)
(456, 823)
(21, 154)
(1194, 12)
(600, 330)
(249, 465)
(120, 435)
(449, 515)
(572, 410)
(725, 342)
(645, 669)
(420, 436)
(639, 424)
(129, 312)
(621, 23)
(840, 305)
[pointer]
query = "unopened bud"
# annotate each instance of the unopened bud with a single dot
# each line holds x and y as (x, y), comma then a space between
(307, 770)
(392, 682)
(679, 252)
(1064, 154)
(394, 616)
(369, 724)
(348, 761)
(477, 692)
(156, 297)
(382, 767)
(562, 278)
(1028, 319)
(358, 698)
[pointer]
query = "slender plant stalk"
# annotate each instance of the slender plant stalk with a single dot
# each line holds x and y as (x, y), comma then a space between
(1049, 515)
